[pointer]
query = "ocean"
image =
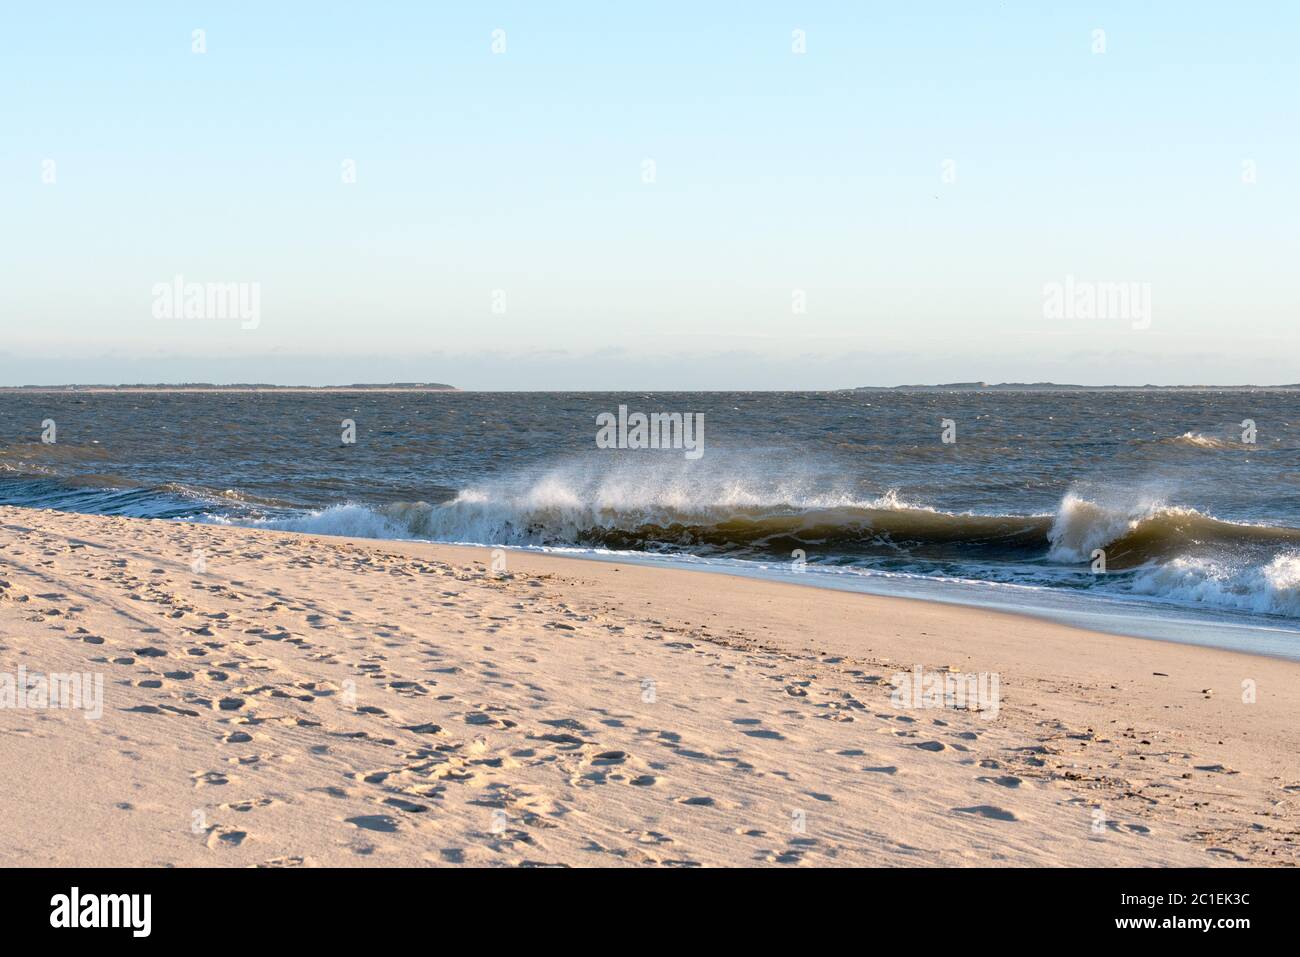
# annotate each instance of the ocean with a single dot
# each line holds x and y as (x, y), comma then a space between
(1172, 515)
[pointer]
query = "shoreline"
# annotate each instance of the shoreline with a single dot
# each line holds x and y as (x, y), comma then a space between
(927, 590)
(227, 695)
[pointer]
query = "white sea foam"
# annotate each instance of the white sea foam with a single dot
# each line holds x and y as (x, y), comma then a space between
(1201, 441)
(1272, 589)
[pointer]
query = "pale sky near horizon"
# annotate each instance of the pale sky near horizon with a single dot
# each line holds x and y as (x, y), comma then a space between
(915, 177)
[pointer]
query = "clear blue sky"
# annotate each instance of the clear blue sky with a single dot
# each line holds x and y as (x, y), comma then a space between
(522, 172)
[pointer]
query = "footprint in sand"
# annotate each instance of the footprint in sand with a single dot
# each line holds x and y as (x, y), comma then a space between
(1137, 828)
(1223, 852)
(423, 728)
(223, 838)
(564, 741)
(987, 811)
(404, 805)
(1005, 781)
(245, 806)
(210, 778)
(182, 711)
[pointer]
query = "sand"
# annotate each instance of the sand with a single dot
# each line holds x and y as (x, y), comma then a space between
(288, 700)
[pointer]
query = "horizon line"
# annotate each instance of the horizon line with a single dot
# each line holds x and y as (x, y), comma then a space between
(968, 386)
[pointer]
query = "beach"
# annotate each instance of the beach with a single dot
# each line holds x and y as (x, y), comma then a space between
(272, 698)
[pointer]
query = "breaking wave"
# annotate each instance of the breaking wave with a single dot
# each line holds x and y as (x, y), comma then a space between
(1198, 440)
(1152, 548)
(1169, 551)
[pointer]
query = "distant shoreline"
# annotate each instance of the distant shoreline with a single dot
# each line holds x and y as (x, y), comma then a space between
(238, 387)
(974, 387)
(1067, 387)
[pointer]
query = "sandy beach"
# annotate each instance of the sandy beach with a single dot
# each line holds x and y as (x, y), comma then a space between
(289, 700)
